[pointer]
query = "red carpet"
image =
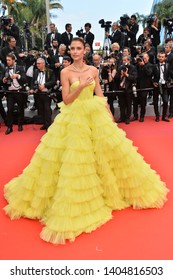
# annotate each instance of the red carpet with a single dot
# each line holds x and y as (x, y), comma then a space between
(131, 234)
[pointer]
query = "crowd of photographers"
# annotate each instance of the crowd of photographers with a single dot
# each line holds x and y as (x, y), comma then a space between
(131, 69)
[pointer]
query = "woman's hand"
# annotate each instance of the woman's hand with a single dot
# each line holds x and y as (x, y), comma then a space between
(85, 81)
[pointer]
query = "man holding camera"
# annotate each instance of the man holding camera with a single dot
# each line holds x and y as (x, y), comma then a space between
(116, 34)
(13, 81)
(12, 48)
(127, 75)
(43, 80)
(161, 77)
(108, 74)
(144, 82)
(132, 30)
(11, 29)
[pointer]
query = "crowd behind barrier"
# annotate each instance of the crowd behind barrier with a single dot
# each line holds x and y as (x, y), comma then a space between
(130, 69)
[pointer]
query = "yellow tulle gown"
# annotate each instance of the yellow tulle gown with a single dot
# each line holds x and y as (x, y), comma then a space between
(84, 168)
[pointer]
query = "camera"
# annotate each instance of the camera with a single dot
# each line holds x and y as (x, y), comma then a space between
(8, 78)
(123, 68)
(139, 59)
(105, 24)
(108, 66)
(79, 33)
(4, 21)
(124, 20)
(116, 52)
(168, 23)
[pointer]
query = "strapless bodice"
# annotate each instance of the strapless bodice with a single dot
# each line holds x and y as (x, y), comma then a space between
(86, 92)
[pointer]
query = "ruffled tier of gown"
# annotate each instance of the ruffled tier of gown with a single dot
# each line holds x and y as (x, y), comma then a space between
(83, 169)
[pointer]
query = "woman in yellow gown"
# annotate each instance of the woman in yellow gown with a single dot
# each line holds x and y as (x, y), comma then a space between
(84, 167)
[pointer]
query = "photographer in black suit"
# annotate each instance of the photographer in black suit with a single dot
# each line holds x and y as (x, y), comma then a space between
(55, 62)
(67, 36)
(108, 74)
(131, 29)
(14, 80)
(161, 77)
(144, 81)
(88, 36)
(53, 34)
(12, 48)
(115, 37)
(12, 29)
(143, 37)
(127, 76)
(43, 80)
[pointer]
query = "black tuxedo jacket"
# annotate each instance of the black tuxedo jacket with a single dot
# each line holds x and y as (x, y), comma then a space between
(51, 55)
(48, 40)
(55, 59)
(65, 40)
(132, 34)
(6, 50)
(132, 78)
(156, 73)
(145, 74)
(89, 38)
(116, 37)
(169, 58)
(17, 70)
(49, 79)
(14, 32)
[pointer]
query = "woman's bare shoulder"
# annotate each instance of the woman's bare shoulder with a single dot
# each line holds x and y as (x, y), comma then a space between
(93, 68)
(66, 69)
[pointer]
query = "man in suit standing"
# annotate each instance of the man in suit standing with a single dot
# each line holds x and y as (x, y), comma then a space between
(14, 79)
(43, 80)
(13, 30)
(12, 48)
(2, 110)
(116, 34)
(144, 81)
(88, 35)
(161, 75)
(53, 34)
(67, 36)
(127, 76)
(169, 59)
(132, 30)
(56, 61)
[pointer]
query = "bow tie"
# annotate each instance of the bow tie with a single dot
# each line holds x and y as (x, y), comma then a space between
(162, 64)
(10, 68)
